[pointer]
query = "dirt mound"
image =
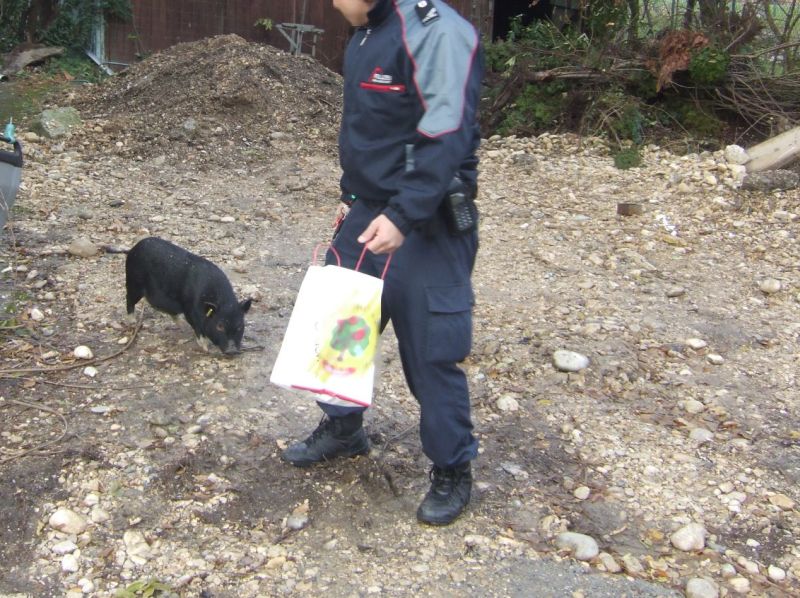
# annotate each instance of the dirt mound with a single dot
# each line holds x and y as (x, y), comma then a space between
(200, 101)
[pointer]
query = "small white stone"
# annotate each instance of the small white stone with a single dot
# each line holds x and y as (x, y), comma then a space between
(69, 564)
(736, 154)
(507, 403)
(715, 359)
(67, 521)
(690, 537)
(136, 546)
(727, 571)
(696, 343)
(99, 515)
(83, 247)
(36, 314)
(701, 587)
(582, 492)
(297, 521)
(569, 361)
(86, 585)
(770, 286)
(90, 371)
(65, 547)
(776, 573)
(701, 435)
(748, 565)
(740, 585)
(609, 562)
(632, 565)
(693, 406)
(83, 352)
(583, 547)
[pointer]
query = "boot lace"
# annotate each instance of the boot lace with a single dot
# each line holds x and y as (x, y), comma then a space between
(443, 480)
(322, 428)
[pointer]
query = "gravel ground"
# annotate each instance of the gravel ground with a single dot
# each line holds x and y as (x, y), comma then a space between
(671, 461)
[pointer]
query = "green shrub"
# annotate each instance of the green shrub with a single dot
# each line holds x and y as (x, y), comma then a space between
(701, 123)
(628, 157)
(77, 65)
(538, 107)
(709, 66)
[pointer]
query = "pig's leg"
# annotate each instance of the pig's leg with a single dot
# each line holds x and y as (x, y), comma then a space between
(134, 294)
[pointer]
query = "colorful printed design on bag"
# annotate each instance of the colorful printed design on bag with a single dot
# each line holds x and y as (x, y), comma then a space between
(350, 346)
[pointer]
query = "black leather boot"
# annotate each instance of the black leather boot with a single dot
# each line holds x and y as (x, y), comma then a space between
(334, 437)
(448, 496)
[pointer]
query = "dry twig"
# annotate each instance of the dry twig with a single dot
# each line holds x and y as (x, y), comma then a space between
(40, 448)
(12, 373)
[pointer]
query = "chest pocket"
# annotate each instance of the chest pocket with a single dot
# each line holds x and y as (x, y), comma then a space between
(391, 105)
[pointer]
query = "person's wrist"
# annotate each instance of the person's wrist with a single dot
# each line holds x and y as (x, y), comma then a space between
(399, 220)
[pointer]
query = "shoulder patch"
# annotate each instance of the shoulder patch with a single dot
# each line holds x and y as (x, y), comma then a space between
(426, 11)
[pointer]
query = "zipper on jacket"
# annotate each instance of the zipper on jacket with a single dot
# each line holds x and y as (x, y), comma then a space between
(366, 35)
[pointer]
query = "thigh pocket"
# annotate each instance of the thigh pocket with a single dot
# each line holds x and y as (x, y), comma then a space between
(449, 323)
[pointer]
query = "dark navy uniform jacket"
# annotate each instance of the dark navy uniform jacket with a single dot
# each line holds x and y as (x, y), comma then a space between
(412, 87)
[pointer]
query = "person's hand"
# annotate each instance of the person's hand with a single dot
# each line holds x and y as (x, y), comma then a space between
(382, 236)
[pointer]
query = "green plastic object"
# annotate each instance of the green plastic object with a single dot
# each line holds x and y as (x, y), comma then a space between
(10, 131)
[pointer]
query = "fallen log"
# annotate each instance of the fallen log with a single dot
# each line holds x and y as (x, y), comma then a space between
(24, 55)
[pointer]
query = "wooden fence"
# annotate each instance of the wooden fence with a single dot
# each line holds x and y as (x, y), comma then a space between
(158, 24)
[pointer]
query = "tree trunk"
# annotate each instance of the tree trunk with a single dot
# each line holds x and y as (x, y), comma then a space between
(37, 17)
(688, 14)
(633, 22)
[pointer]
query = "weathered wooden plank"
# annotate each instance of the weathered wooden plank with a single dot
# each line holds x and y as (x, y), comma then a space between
(774, 152)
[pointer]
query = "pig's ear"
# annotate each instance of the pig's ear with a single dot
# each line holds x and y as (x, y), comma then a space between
(210, 308)
(245, 305)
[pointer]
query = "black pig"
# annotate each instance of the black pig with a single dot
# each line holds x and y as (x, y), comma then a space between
(178, 282)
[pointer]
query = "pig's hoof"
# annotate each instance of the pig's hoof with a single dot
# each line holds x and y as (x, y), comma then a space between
(130, 319)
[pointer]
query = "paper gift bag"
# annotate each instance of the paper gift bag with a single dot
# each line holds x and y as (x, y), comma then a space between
(330, 344)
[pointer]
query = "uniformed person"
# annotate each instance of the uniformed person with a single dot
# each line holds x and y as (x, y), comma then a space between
(407, 145)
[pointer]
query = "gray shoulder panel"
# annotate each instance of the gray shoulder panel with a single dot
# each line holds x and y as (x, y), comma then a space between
(442, 50)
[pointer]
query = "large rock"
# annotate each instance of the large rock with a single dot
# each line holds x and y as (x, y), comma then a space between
(56, 122)
(770, 180)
